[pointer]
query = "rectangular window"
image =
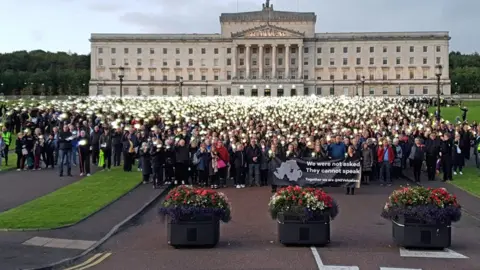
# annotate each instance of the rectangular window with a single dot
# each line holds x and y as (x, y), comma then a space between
(139, 50)
(242, 62)
(332, 50)
(332, 91)
(152, 91)
(165, 63)
(372, 60)
(359, 61)
(305, 75)
(411, 61)
(305, 50)
(438, 60)
(372, 49)
(359, 49)
(385, 49)
(165, 91)
(385, 91)
(345, 50)
(190, 62)
(204, 51)
(152, 51)
(165, 50)
(139, 62)
(319, 61)
(125, 50)
(306, 91)
(439, 48)
(345, 61)
(345, 76)
(139, 77)
(229, 51)
(177, 62)
(229, 61)
(384, 77)
(412, 75)
(332, 77)
(372, 91)
(152, 78)
(177, 50)
(425, 90)
(229, 75)
(398, 61)
(411, 90)
(190, 51)
(372, 77)
(399, 49)
(412, 49)
(165, 78)
(215, 51)
(125, 62)
(113, 61)
(385, 61)
(215, 91)
(425, 49)
(241, 92)
(229, 91)
(100, 50)
(398, 76)
(114, 76)
(280, 61)
(305, 61)
(319, 50)
(318, 91)
(425, 60)
(113, 50)
(215, 62)
(190, 76)
(100, 61)
(332, 62)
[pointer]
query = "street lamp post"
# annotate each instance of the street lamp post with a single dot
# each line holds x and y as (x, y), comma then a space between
(180, 86)
(120, 77)
(206, 87)
(438, 73)
(363, 86)
(1, 88)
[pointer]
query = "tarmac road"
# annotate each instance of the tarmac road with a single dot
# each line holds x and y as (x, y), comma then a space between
(360, 239)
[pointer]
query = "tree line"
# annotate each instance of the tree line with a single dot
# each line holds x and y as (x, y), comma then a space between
(47, 73)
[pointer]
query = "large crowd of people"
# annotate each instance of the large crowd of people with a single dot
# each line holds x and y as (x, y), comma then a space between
(209, 140)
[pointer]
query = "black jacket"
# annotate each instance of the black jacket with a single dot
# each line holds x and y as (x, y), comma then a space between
(63, 144)
(252, 152)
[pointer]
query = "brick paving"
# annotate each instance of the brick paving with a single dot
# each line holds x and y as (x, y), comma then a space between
(360, 237)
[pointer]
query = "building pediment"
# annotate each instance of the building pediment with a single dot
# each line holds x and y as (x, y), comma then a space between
(266, 31)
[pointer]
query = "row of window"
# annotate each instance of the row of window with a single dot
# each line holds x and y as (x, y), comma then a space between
(293, 50)
(267, 92)
(267, 62)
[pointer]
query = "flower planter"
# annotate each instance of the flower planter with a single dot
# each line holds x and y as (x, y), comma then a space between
(292, 230)
(194, 231)
(414, 233)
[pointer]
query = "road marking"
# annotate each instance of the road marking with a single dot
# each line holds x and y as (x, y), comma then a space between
(443, 254)
(94, 257)
(319, 262)
(316, 255)
(101, 259)
(393, 268)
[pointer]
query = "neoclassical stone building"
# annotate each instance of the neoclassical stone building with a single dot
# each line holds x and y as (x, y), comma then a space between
(269, 53)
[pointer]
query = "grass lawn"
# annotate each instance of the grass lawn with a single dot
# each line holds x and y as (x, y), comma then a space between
(450, 113)
(469, 181)
(12, 162)
(72, 203)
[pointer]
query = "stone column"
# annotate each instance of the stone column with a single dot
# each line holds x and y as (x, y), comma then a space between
(287, 61)
(234, 61)
(274, 61)
(247, 62)
(260, 61)
(300, 61)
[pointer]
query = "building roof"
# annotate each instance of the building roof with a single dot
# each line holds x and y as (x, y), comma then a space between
(268, 14)
(383, 36)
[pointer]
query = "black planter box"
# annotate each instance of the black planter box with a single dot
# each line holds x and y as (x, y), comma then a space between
(414, 233)
(196, 231)
(292, 230)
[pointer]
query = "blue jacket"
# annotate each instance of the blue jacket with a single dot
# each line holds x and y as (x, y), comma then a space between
(336, 150)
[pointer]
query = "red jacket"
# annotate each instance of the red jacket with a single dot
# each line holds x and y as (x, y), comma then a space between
(223, 154)
(381, 152)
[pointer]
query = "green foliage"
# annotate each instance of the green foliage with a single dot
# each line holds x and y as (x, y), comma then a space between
(465, 72)
(44, 73)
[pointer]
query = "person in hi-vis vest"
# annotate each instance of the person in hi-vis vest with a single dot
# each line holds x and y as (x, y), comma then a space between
(7, 139)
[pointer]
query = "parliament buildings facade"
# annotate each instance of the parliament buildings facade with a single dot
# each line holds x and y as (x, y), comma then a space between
(270, 53)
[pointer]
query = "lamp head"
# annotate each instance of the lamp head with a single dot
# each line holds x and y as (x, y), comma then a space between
(438, 70)
(122, 71)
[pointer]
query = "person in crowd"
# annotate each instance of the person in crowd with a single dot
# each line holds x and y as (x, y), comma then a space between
(222, 163)
(458, 160)
(117, 146)
(432, 151)
(213, 167)
(263, 163)
(476, 148)
(49, 150)
(38, 150)
(145, 156)
(386, 155)
(2, 146)
(240, 165)
(65, 148)
(446, 153)
(182, 154)
(351, 157)
(192, 168)
(337, 150)
(7, 140)
(105, 152)
(254, 154)
(84, 153)
(397, 161)
(95, 141)
(170, 162)
(128, 152)
(20, 152)
(367, 163)
(417, 157)
(203, 157)
(158, 162)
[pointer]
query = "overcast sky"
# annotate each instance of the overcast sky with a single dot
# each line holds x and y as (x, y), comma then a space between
(65, 25)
